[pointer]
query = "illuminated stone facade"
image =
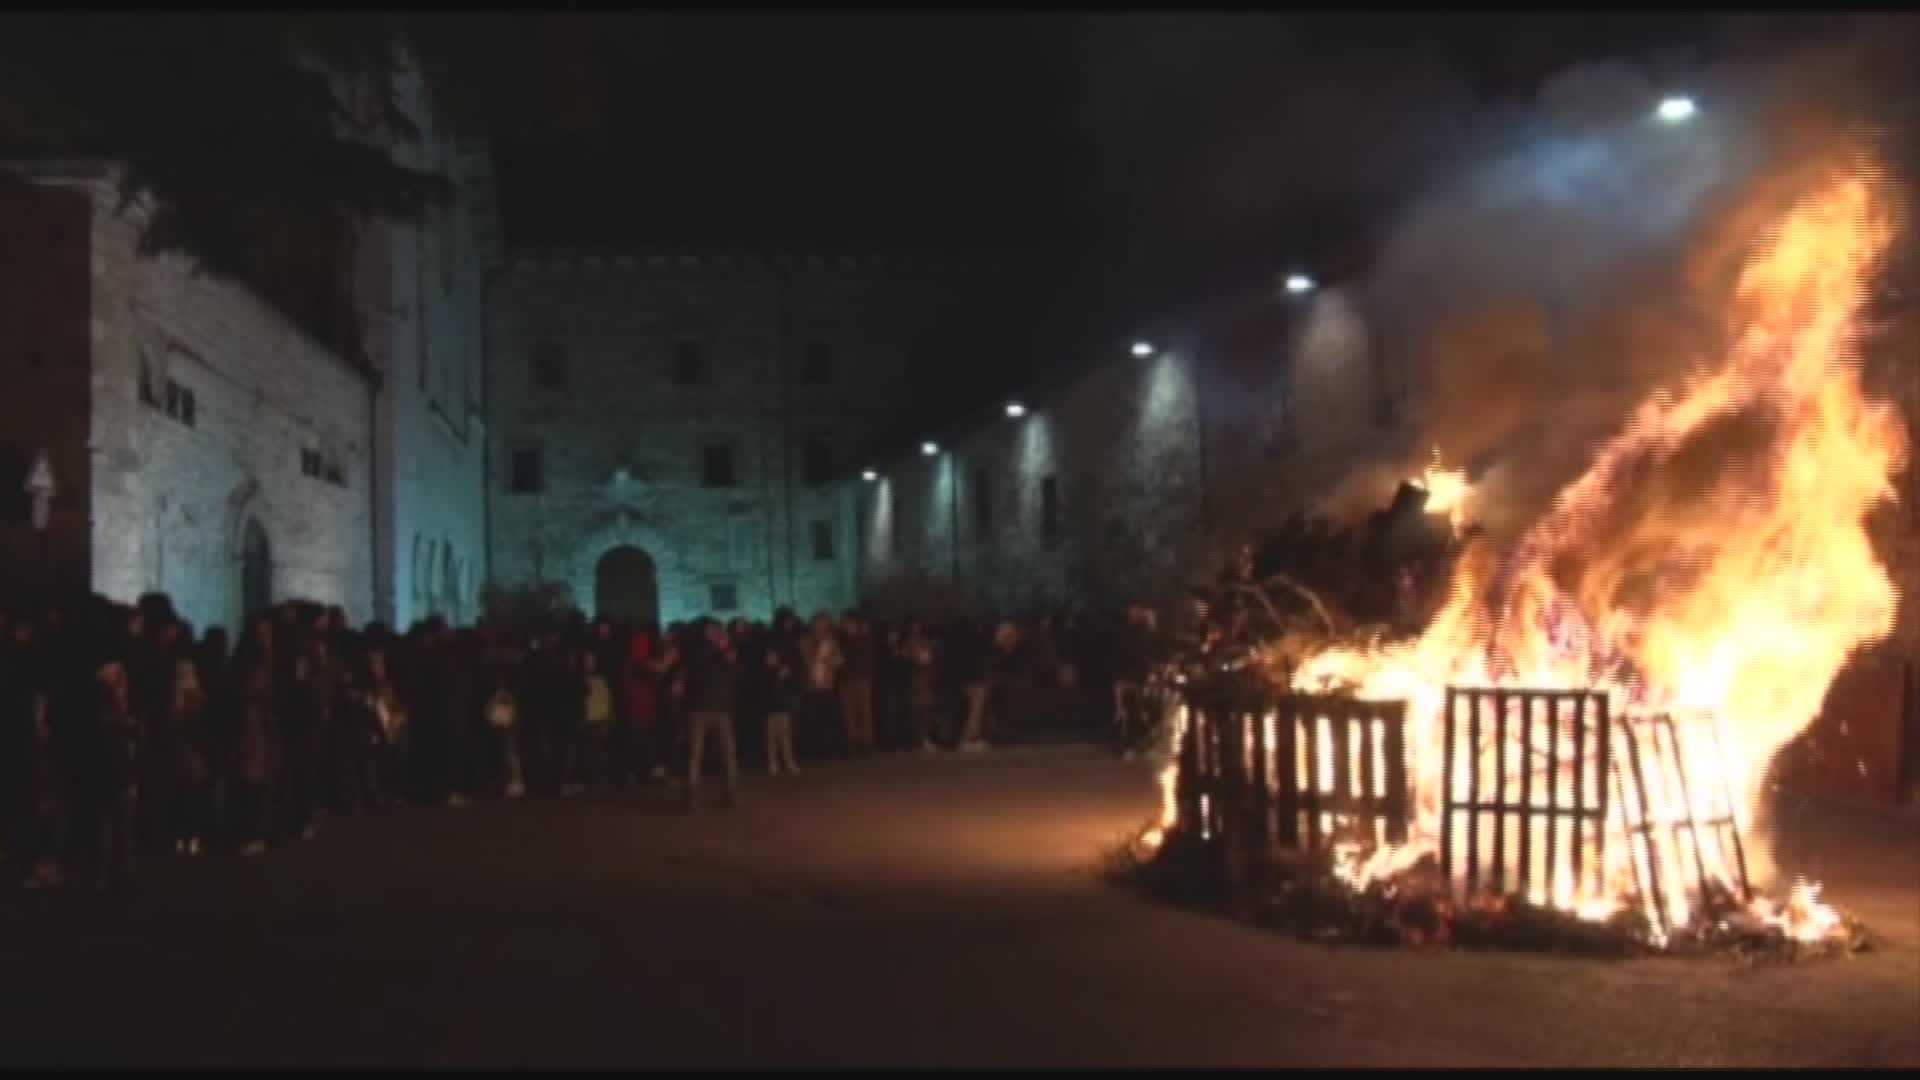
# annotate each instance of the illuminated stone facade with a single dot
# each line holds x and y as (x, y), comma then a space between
(687, 413)
(1125, 481)
(200, 442)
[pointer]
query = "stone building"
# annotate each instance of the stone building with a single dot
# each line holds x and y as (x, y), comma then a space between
(207, 447)
(421, 290)
(201, 444)
(1135, 471)
(668, 426)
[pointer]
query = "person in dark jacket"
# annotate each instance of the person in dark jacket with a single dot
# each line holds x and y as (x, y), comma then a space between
(861, 666)
(186, 746)
(569, 694)
(32, 808)
(117, 734)
(713, 675)
(784, 680)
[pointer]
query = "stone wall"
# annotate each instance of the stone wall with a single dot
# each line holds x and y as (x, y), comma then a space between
(621, 439)
(45, 303)
(421, 291)
(172, 500)
(1160, 464)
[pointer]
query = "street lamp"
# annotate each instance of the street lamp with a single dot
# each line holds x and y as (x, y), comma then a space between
(1677, 109)
(928, 449)
(1299, 284)
(1142, 349)
(869, 475)
(1015, 410)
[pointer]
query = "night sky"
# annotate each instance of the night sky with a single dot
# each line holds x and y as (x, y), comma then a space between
(835, 132)
(1028, 132)
(1166, 158)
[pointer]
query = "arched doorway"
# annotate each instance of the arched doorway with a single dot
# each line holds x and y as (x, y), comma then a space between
(625, 586)
(256, 570)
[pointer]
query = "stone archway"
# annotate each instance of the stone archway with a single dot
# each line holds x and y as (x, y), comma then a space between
(626, 586)
(582, 567)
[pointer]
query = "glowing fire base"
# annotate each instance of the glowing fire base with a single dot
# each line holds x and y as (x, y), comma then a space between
(1562, 826)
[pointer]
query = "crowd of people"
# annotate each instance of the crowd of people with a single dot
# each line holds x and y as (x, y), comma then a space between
(122, 733)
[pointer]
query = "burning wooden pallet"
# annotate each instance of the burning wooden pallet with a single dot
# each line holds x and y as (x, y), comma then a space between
(1292, 771)
(1526, 782)
(1675, 822)
(1528, 809)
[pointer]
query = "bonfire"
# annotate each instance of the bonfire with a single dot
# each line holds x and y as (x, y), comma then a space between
(1682, 622)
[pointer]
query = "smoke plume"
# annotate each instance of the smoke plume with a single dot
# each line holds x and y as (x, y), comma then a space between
(1530, 302)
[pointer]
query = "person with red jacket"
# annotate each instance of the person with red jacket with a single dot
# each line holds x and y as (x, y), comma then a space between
(647, 660)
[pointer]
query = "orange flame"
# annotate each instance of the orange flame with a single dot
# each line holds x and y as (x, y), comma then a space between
(1711, 564)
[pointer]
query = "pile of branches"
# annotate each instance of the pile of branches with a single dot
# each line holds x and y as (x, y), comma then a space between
(1313, 584)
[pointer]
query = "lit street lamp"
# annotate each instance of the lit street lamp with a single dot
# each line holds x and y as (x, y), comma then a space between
(869, 475)
(1677, 109)
(928, 449)
(1015, 410)
(1142, 349)
(1299, 284)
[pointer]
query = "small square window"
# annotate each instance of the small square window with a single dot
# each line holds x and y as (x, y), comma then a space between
(723, 596)
(689, 361)
(528, 477)
(717, 466)
(180, 403)
(816, 364)
(822, 541)
(549, 365)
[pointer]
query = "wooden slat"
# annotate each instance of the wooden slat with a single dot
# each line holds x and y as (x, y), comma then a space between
(1603, 751)
(1526, 793)
(1473, 790)
(1397, 794)
(1500, 790)
(1578, 850)
(1446, 785)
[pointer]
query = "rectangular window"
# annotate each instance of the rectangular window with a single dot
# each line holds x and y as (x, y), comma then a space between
(1283, 436)
(717, 466)
(816, 364)
(816, 462)
(982, 500)
(180, 403)
(149, 394)
(1050, 511)
(549, 365)
(689, 361)
(822, 541)
(527, 475)
(723, 596)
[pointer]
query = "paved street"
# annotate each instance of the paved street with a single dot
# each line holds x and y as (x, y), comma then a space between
(917, 911)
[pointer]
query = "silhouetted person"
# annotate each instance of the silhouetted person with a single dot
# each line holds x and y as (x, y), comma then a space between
(712, 691)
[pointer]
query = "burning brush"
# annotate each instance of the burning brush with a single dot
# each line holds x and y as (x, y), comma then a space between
(1634, 659)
